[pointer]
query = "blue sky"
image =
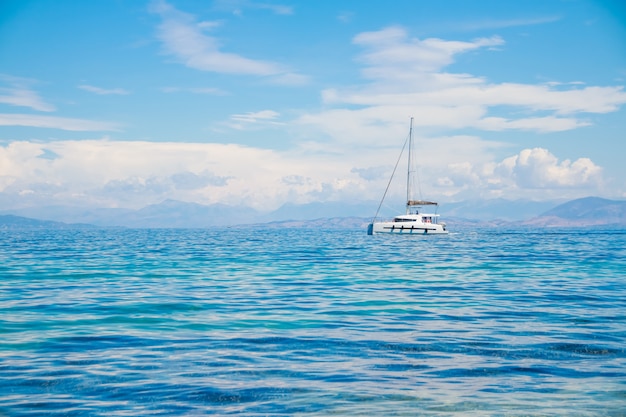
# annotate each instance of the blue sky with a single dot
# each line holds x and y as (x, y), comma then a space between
(111, 103)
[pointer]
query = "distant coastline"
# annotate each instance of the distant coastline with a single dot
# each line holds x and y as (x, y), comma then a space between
(584, 212)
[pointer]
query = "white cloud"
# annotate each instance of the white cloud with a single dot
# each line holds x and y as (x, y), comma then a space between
(276, 8)
(538, 168)
(255, 117)
(522, 175)
(237, 6)
(288, 79)
(254, 120)
(198, 90)
(390, 52)
(184, 38)
(345, 17)
(53, 122)
(18, 93)
(545, 97)
(135, 174)
(539, 124)
(103, 91)
(105, 172)
(405, 77)
(488, 24)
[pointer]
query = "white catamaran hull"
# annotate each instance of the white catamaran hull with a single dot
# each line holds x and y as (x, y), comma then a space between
(406, 228)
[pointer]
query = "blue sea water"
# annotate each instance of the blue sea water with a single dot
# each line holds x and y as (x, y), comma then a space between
(298, 322)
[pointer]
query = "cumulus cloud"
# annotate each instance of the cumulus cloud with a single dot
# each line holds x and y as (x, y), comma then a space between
(104, 172)
(135, 174)
(371, 173)
(404, 76)
(538, 168)
(523, 174)
(184, 38)
(189, 180)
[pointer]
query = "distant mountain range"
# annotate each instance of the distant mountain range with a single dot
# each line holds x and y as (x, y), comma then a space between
(10, 221)
(500, 209)
(590, 211)
(178, 214)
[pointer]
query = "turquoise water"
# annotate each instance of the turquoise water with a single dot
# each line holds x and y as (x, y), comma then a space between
(312, 323)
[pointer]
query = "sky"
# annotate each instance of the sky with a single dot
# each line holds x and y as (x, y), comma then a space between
(119, 103)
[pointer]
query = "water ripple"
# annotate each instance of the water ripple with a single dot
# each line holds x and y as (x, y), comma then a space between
(309, 322)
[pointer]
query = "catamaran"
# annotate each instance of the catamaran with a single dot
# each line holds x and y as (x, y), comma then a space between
(414, 221)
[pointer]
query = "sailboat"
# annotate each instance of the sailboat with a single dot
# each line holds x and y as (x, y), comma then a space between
(414, 221)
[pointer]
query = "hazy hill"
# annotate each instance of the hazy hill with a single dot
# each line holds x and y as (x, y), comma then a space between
(69, 214)
(313, 211)
(321, 223)
(178, 214)
(168, 214)
(588, 211)
(499, 208)
(12, 222)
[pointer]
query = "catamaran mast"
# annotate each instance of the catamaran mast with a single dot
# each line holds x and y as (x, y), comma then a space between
(408, 170)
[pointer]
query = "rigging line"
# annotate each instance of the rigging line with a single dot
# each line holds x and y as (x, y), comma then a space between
(392, 174)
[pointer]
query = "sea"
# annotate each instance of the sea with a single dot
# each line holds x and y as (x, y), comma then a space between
(260, 321)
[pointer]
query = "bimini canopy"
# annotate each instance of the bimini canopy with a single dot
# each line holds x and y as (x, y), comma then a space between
(421, 203)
